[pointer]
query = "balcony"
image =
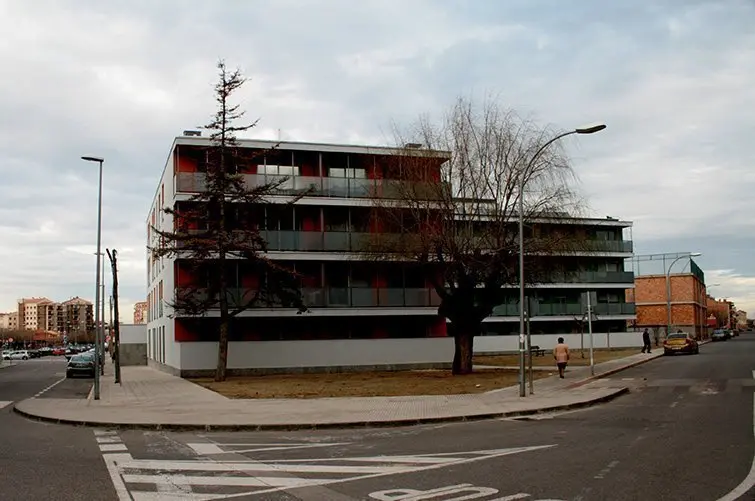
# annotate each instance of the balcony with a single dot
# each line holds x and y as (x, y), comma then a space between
(566, 309)
(355, 297)
(194, 182)
(609, 245)
(593, 277)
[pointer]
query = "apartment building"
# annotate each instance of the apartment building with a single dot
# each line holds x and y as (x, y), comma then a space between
(140, 312)
(36, 313)
(361, 313)
(688, 303)
(719, 312)
(74, 318)
(9, 321)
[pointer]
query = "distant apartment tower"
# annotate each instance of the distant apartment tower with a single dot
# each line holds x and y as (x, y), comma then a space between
(140, 312)
(36, 313)
(687, 299)
(74, 317)
(5, 320)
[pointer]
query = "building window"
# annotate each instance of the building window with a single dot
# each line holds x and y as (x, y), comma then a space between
(349, 173)
(278, 170)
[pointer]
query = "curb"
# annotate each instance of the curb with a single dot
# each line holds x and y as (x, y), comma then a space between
(622, 368)
(611, 372)
(326, 426)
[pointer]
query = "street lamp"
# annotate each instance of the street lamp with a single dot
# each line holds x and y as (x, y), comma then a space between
(97, 361)
(522, 178)
(668, 287)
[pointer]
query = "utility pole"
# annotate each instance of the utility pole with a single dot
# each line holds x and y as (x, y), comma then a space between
(116, 323)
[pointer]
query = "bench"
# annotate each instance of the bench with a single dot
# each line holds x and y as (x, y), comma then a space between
(537, 351)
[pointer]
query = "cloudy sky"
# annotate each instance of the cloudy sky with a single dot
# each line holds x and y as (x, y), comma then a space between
(673, 79)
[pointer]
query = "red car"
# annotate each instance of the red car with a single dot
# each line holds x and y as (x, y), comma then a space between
(58, 351)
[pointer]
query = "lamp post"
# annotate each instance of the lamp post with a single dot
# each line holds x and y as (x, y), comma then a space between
(668, 287)
(98, 280)
(522, 179)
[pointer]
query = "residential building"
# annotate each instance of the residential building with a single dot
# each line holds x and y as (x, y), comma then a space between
(5, 321)
(688, 305)
(36, 313)
(361, 313)
(74, 318)
(719, 312)
(140, 312)
(741, 317)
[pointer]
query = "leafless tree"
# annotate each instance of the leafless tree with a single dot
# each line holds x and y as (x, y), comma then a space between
(222, 223)
(457, 215)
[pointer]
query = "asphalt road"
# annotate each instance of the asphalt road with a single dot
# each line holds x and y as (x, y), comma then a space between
(685, 432)
(41, 461)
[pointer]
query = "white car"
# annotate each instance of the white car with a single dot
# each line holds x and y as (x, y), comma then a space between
(20, 355)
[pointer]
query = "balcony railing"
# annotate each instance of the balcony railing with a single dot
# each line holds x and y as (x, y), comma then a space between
(345, 297)
(594, 277)
(195, 182)
(566, 309)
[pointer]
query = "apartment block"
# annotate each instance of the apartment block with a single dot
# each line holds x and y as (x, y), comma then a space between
(140, 312)
(687, 300)
(9, 321)
(361, 313)
(74, 318)
(36, 313)
(741, 317)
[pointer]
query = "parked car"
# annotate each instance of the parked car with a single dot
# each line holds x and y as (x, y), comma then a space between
(734, 332)
(19, 355)
(680, 342)
(720, 335)
(80, 365)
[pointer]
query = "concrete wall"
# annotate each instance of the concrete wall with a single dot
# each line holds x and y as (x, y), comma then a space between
(200, 358)
(133, 354)
(133, 333)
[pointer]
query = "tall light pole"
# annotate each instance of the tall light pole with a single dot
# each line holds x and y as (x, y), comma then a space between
(98, 280)
(668, 287)
(522, 180)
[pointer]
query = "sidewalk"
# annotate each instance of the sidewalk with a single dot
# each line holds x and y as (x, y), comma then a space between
(153, 399)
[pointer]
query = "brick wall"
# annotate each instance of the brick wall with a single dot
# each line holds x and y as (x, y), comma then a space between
(688, 302)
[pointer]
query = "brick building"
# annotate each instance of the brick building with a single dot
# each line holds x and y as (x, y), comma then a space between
(140, 312)
(719, 312)
(688, 302)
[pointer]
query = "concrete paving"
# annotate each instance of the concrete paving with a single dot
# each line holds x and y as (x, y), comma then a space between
(153, 399)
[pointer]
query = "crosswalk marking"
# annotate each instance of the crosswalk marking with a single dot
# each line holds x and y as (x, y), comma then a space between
(206, 448)
(5, 403)
(161, 480)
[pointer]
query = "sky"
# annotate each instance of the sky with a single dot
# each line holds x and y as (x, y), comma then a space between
(674, 80)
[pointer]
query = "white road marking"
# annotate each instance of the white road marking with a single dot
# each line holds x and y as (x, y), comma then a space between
(674, 404)
(115, 476)
(170, 477)
(53, 385)
(605, 471)
(5, 403)
(103, 433)
(469, 492)
(205, 448)
(112, 447)
(749, 480)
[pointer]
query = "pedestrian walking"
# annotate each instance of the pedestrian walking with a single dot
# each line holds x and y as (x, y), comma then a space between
(561, 355)
(646, 346)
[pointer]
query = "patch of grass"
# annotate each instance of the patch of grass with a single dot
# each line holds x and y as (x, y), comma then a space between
(362, 384)
(602, 355)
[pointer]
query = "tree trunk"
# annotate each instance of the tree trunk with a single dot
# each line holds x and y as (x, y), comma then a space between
(220, 371)
(463, 351)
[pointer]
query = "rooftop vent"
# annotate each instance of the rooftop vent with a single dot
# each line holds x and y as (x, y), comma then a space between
(413, 145)
(192, 133)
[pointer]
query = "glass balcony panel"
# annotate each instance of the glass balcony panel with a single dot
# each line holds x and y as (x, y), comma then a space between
(191, 182)
(314, 297)
(391, 297)
(335, 186)
(288, 240)
(361, 188)
(338, 297)
(311, 240)
(336, 241)
(417, 297)
(364, 297)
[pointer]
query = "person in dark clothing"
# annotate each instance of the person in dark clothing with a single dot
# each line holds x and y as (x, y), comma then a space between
(646, 342)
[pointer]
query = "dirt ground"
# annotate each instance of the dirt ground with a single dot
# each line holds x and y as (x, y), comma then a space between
(576, 359)
(363, 384)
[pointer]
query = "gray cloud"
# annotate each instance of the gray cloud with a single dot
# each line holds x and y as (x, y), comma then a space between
(672, 79)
